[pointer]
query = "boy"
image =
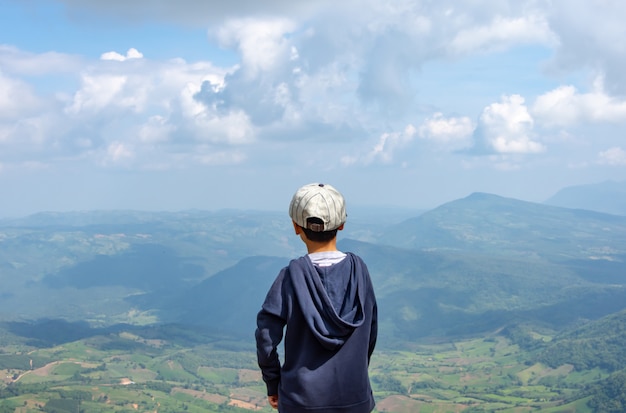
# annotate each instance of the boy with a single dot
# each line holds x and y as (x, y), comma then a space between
(325, 302)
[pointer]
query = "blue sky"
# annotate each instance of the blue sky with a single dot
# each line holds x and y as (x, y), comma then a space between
(160, 105)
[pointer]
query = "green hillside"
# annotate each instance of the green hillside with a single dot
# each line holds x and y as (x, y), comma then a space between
(598, 344)
(507, 227)
(468, 267)
(421, 294)
(85, 265)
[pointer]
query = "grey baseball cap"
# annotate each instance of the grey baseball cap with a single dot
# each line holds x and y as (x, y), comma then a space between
(318, 201)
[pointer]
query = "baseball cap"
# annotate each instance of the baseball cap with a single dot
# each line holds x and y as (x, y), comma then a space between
(318, 201)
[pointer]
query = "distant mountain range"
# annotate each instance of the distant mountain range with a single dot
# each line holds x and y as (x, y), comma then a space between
(609, 197)
(473, 265)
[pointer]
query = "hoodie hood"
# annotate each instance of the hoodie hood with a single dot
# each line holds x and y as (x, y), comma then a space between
(331, 298)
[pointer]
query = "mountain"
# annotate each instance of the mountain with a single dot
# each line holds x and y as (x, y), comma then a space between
(608, 197)
(470, 266)
(92, 265)
(421, 294)
(539, 292)
(487, 261)
(486, 223)
(228, 302)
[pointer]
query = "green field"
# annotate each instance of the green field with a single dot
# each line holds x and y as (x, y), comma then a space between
(127, 372)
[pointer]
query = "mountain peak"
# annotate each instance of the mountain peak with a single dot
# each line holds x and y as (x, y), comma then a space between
(494, 224)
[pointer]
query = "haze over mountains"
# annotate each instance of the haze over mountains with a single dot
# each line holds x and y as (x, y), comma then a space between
(469, 266)
(609, 197)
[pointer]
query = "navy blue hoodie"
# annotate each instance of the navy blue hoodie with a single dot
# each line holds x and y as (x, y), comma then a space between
(330, 316)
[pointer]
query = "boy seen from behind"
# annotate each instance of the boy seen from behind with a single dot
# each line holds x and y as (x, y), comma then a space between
(323, 306)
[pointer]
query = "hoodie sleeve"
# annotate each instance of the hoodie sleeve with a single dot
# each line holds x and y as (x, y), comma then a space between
(373, 333)
(374, 321)
(270, 323)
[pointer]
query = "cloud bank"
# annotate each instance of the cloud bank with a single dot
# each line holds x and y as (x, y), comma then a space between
(349, 84)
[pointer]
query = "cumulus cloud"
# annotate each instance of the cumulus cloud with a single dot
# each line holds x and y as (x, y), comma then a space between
(261, 43)
(124, 109)
(156, 129)
(161, 98)
(279, 90)
(117, 152)
(397, 37)
(97, 92)
(384, 149)
(566, 106)
(506, 128)
(590, 36)
(334, 71)
(454, 132)
(502, 33)
(615, 156)
(233, 127)
(25, 119)
(130, 54)
(24, 63)
(17, 98)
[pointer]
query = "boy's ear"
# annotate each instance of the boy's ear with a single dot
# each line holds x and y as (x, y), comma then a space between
(340, 227)
(296, 227)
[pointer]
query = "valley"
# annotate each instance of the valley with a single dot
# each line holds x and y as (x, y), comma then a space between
(134, 371)
(485, 304)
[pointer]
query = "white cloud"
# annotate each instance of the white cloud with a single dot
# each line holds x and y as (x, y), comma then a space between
(129, 112)
(506, 128)
(162, 102)
(326, 96)
(157, 129)
(17, 98)
(590, 38)
(97, 92)
(384, 149)
(565, 106)
(262, 43)
(130, 54)
(26, 120)
(614, 156)
(208, 123)
(233, 128)
(387, 145)
(118, 152)
(30, 134)
(502, 33)
(325, 72)
(23, 63)
(455, 132)
(584, 34)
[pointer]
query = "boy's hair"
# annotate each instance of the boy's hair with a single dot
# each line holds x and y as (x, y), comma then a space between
(318, 236)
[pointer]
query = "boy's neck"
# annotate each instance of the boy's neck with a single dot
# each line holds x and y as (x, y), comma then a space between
(313, 247)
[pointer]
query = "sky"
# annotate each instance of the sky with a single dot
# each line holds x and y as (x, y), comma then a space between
(206, 104)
